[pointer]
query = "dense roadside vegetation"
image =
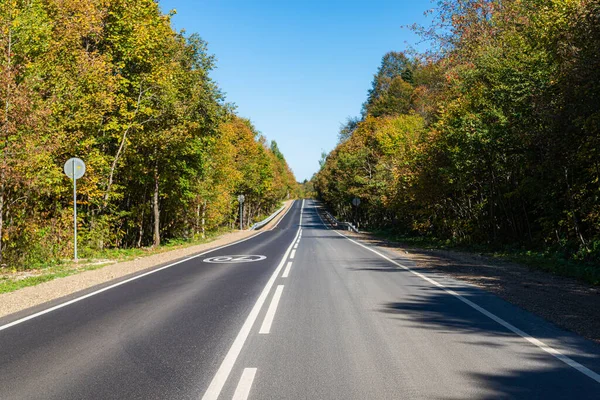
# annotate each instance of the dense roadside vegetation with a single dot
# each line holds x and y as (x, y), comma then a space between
(111, 82)
(490, 139)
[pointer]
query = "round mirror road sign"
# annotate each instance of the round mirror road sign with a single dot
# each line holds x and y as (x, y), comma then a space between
(241, 198)
(74, 168)
(355, 201)
(234, 259)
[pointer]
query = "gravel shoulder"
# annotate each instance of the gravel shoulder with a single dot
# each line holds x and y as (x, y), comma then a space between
(568, 303)
(32, 296)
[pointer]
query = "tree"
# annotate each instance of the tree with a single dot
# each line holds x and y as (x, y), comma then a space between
(110, 81)
(395, 67)
(507, 153)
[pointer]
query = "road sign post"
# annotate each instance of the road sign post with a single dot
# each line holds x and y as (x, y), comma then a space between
(356, 203)
(241, 199)
(74, 168)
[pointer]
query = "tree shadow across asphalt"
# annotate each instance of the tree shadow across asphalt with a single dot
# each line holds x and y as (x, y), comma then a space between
(545, 378)
(565, 302)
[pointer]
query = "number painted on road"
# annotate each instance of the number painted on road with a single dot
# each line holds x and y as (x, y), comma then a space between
(234, 259)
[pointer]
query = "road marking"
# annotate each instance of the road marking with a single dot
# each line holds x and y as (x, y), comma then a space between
(550, 350)
(234, 259)
(67, 303)
(218, 381)
(296, 246)
(293, 254)
(286, 272)
(245, 384)
(265, 328)
(301, 210)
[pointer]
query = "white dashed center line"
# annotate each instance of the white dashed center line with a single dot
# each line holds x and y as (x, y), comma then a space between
(218, 381)
(286, 272)
(245, 384)
(266, 325)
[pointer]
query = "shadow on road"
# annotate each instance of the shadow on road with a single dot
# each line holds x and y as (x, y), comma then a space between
(540, 377)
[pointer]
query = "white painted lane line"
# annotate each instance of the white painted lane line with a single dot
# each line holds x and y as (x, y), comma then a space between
(268, 321)
(218, 381)
(550, 350)
(245, 384)
(296, 246)
(286, 271)
(293, 254)
(67, 303)
(301, 211)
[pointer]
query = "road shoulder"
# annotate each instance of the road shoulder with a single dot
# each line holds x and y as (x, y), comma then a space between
(565, 302)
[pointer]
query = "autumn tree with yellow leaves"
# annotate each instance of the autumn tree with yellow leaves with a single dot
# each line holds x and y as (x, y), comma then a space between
(111, 82)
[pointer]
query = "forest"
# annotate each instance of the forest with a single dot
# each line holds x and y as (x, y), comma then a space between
(490, 137)
(111, 82)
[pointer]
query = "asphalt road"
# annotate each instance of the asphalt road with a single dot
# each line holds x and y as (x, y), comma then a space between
(297, 312)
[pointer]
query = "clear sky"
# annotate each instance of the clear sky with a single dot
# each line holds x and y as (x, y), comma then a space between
(297, 69)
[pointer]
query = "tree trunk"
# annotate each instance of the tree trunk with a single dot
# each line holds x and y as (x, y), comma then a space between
(574, 212)
(1, 217)
(203, 218)
(141, 231)
(5, 144)
(197, 224)
(121, 147)
(155, 208)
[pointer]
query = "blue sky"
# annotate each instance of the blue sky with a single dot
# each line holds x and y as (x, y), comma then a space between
(298, 69)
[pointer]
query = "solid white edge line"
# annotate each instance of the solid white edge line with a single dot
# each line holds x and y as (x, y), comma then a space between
(265, 328)
(245, 384)
(67, 303)
(543, 346)
(286, 272)
(293, 254)
(218, 381)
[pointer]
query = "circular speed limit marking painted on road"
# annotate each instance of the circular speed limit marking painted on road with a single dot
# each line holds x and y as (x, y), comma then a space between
(234, 259)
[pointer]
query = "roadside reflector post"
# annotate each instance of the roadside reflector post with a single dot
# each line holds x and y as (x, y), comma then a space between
(74, 169)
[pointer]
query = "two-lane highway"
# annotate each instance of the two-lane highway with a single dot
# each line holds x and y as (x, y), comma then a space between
(298, 312)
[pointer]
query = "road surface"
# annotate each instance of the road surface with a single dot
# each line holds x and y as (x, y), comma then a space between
(297, 312)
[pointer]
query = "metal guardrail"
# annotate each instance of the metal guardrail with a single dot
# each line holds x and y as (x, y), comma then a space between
(262, 223)
(337, 223)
